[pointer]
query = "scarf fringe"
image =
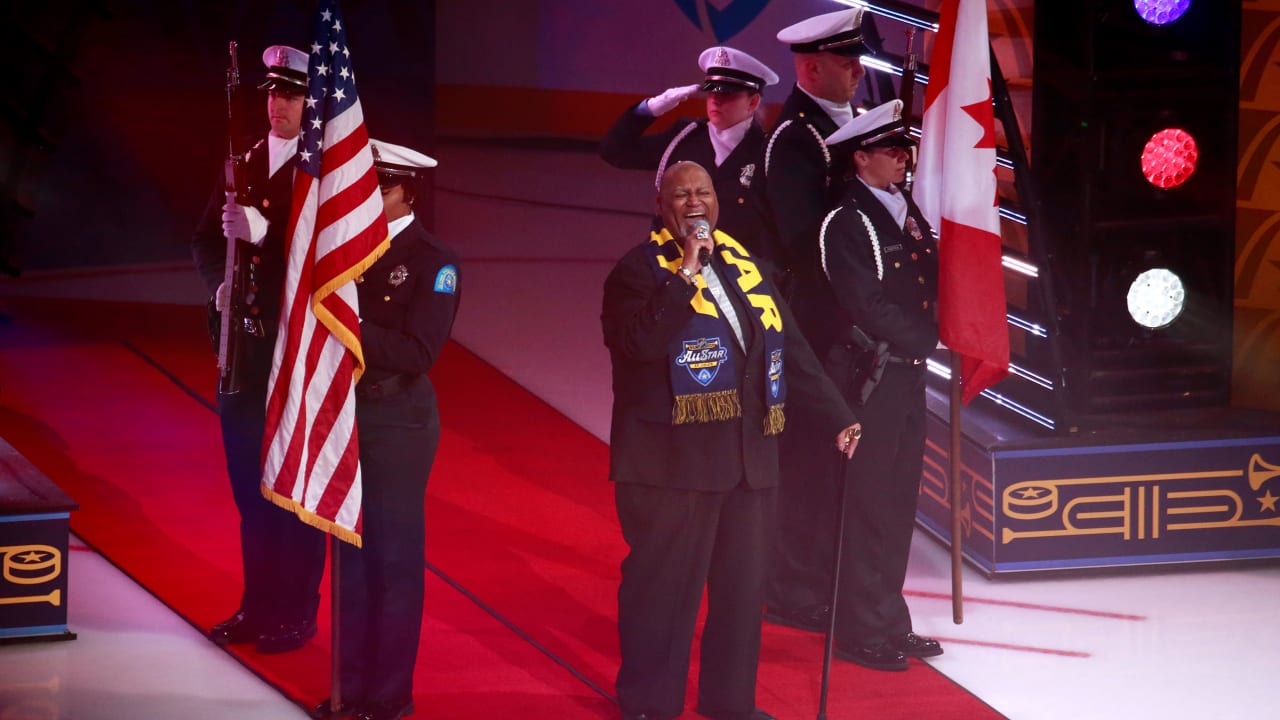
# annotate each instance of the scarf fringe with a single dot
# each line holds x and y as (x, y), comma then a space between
(705, 408)
(776, 420)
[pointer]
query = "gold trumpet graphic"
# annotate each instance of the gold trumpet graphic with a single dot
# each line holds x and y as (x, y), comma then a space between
(1260, 471)
(1138, 506)
(28, 565)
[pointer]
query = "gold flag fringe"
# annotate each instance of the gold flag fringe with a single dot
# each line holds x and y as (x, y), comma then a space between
(708, 407)
(311, 518)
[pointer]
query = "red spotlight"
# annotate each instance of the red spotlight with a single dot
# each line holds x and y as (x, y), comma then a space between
(1169, 158)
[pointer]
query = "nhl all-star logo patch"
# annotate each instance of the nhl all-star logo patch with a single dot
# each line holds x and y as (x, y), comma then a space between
(703, 358)
(447, 280)
(775, 372)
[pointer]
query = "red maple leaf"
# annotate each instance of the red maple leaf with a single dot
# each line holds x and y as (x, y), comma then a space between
(983, 113)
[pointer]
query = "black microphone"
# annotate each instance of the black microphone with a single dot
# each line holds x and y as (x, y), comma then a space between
(702, 231)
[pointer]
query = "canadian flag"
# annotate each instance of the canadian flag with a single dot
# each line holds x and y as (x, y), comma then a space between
(956, 190)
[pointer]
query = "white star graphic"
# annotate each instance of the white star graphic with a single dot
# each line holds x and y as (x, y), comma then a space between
(346, 52)
(306, 155)
(337, 26)
(345, 73)
(311, 102)
(315, 123)
(315, 48)
(333, 47)
(322, 69)
(338, 95)
(326, 16)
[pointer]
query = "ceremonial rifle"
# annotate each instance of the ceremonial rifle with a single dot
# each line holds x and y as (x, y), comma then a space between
(238, 316)
(907, 91)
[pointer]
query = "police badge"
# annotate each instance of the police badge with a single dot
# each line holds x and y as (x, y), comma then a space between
(398, 275)
(912, 228)
(745, 175)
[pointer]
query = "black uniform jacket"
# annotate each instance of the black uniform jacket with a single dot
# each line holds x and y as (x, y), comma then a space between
(640, 317)
(900, 308)
(738, 180)
(408, 301)
(803, 180)
(271, 196)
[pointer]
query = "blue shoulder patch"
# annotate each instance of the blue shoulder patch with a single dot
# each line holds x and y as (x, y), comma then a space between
(447, 280)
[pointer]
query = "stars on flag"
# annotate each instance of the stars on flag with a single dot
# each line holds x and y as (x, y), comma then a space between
(331, 83)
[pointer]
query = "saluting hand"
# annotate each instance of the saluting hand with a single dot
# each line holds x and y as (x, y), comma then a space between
(669, 98)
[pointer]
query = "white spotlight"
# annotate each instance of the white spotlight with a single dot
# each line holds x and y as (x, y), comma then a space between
(1156, 298)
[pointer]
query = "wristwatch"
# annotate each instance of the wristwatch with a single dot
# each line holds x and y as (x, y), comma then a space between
(688, 274)
(857, 432)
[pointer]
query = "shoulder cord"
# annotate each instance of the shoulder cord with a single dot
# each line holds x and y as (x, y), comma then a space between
(671, 146)
(871, 232)
(822, 144)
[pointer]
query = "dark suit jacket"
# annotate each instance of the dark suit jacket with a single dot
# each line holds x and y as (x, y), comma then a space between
(640, 318)
(900, 308)
(738, 180)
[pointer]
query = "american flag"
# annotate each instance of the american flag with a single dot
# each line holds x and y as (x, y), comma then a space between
(311, 453)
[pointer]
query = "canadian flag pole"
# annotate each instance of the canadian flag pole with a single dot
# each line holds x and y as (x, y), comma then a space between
(956, 190)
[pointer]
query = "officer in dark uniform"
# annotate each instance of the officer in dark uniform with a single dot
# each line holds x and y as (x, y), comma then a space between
(729, 141)
(283, 558)
(408, 301)
(882, 261)
(803, 181)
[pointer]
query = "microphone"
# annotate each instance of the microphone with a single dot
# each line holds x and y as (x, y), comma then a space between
(702, 231)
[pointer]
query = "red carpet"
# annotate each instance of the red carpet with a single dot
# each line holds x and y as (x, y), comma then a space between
(112, 401)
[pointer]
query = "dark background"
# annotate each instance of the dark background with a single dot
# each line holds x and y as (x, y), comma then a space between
(113, 131)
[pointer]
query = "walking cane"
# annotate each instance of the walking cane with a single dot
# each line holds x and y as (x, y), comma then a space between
(842, 473)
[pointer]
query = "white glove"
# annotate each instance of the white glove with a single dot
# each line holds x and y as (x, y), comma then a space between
(243, 223)
(669, 98)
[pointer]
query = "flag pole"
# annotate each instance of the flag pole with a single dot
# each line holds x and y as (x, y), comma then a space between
(335, 628)
(953, 470)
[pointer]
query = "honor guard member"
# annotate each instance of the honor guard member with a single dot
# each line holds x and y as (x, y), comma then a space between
(882, 261)
(728, 142)
(705, 366)
(408, 301)
(283, 557)
(803, 181)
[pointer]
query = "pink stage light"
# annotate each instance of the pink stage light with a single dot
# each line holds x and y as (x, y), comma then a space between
(1169, 158)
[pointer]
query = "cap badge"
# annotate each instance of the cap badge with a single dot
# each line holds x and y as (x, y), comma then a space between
(398, 276)
(282, 58)
(377, 157)
(722, 58)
